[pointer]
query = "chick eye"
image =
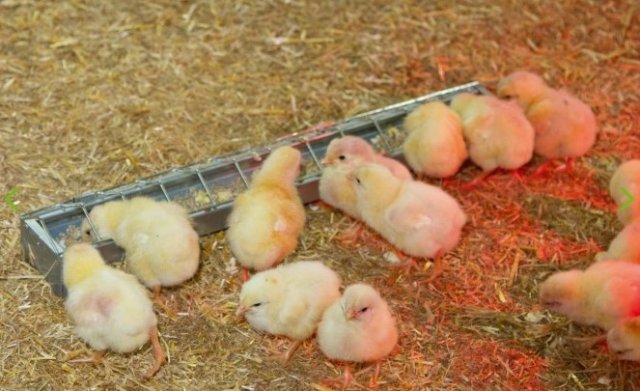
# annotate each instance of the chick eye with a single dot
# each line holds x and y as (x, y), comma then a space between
(256, 305)
(342, 157)
(358, 180)
(363, 310)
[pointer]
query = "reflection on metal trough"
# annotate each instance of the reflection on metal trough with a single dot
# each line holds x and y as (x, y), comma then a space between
(207, 189)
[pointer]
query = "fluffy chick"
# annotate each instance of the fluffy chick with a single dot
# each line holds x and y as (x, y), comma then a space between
(626, 177)
(161, 246)
(336, 188)
(420, 219)
(110, 308)
(565, 126)
(267, 219)
(601, 295)
(359, 327)
(342, 157)
(355, 151)
(435, 143)
(624, 339)
(498, 134)
(289, 300)
(625, 246)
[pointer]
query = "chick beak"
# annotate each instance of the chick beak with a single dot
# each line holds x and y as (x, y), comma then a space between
(240, 312)
(325, 161)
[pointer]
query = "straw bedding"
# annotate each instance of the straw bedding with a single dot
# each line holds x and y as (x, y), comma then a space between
(94, 94)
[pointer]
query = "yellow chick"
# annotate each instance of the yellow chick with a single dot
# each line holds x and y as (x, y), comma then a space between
(342, 157)
(435, 143)
(110, 308)
(336, 188)
(161, 246)
(420, 219)
(625, 182)
(355, 151)
(267, 219)
(498, 134)
(624, 339)
(358, 328)
(601, 295)
(565, 126)
(289, 300)
(625, 246)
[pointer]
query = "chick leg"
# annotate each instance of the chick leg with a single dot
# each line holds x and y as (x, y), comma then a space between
(157, 295)
(348, 377)
(158, 353)
(373, 383)
(244, 274)
(438, 266)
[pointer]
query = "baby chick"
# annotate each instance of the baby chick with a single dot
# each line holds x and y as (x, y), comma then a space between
(420, 219)
(336, 188)
(267, 219)
(498, 134)
(355, 151)
(359, 327)
(601, 295)
(624, 182)
(161, 246)
(565, 126)
(435, 143)
(624, 339)
(289, 300)
(110, 308)
(625, 246)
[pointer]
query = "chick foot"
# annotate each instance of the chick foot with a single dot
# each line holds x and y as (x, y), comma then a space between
(158, 353)
(373, 383)
(161, 302)
(438, 267)
(590, 342)
(96, 358)
(408, 265)
(284, 358)
(345, 380)
(351, 234)
(549, 166)
(477, 180)
(567, 166)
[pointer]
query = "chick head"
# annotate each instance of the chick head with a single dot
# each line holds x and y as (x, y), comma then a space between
(80, 261)
(360, 302)
(561, 292)
(434, 108)
(282, 164)
(522, 86)
(105, 218)
(461, 102)
(624, 339)
(262, 290)
(348, 149)
(374, 178)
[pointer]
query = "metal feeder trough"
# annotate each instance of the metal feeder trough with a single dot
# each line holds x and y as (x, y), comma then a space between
(207, 189)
